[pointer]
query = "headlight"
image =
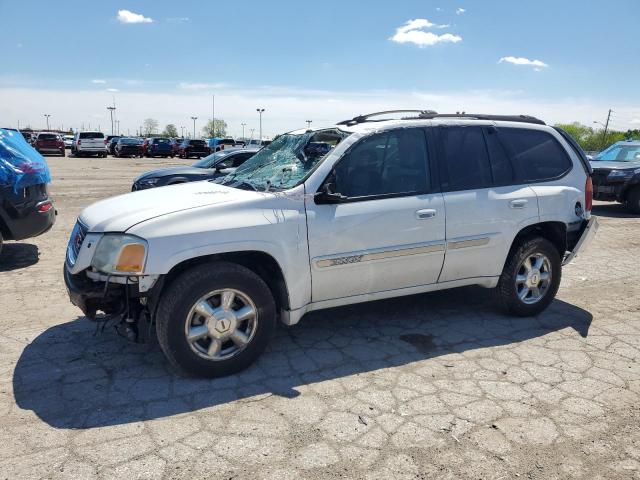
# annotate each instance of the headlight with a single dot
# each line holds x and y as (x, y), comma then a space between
(622, 173)
(120, 254)
(149, 181)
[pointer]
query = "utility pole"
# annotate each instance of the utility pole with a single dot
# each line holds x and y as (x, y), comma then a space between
(308, 124)
(47, 117)
(606, 127)
(194, 126)
(111, 110)
(182, 129)
(260, 112)
(117, 127)
(252, 130)
(213, 114)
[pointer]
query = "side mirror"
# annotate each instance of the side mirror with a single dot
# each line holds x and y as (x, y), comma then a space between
(326, 196)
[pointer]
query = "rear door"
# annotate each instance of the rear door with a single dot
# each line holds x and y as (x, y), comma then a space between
(390, 232)
(485, 204)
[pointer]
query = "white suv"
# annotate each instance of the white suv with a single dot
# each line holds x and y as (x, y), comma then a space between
(89, 143)
(365, 210)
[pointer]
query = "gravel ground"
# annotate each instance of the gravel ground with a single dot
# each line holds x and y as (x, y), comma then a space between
(430, 386)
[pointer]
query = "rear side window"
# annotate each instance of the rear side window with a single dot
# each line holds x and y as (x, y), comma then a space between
(91, 135)
(501, 168)
(47, 136)
(198, 143)
(466, 158)
(535, 154)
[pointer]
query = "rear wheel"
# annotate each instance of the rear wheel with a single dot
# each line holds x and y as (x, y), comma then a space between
(633, 200)
(63, 153)
(530, 278)
(215, 319)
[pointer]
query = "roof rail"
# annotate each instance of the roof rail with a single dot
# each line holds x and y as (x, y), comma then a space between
(365, 118)
(482, 116)
(430, 114)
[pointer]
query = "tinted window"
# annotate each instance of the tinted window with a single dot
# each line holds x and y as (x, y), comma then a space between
(161, 140)
(535, 154)
(388, 163)
(91, 135)
(47, 136)
(501, 168)
(198, 143)
(466, 158)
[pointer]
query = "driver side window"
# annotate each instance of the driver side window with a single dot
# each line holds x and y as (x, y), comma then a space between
(391, 163)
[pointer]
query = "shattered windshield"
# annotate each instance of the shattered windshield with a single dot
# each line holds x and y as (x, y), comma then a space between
(286, 161)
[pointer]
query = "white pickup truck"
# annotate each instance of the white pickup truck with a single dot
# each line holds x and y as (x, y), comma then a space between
(364, 210)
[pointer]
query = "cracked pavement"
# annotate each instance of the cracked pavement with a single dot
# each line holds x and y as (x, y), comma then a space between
(439, 385)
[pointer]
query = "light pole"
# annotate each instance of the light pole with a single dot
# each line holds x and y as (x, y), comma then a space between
(47, 117)
(182, 129)
(194, 126)
(308, 124)
(111, 110)
(117, 127)
(243, 125)
(260, 112)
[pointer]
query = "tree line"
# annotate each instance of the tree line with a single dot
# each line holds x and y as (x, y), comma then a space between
(216, 128)
(592, 140)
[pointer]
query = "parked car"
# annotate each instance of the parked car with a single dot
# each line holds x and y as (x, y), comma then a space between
(68, 141)
(217, 144)
(88, 143)
(128, 147)
(616, 174)
(214, 166)
(110, 144)
(175, 145)
(28, 136)
(46, 142)
(193, 148)
(395, 207)
(258, 143)
(157, 147)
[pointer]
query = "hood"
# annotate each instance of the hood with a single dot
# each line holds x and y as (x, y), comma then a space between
(163, 172)
(118, 214)
(614, 165)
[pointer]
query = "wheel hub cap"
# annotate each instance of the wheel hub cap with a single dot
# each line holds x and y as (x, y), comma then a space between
(533, 278)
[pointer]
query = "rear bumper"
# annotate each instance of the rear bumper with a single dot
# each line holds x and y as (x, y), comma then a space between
(587, 232)
(29, 222)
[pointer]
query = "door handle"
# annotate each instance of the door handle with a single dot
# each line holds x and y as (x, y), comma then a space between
(426, 213)
(520, 203)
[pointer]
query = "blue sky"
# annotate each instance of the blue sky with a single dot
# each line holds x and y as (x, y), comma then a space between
(561, 60)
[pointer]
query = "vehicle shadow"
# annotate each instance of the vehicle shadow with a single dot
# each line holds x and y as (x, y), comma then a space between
(72, 379)
(612, 210)
(15, 256)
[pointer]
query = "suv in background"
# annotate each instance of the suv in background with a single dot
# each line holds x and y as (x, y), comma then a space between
(217, 144)
(157, 147)
(193, 148)
(68, 141)
(89, 143)
(46, 142)
(616, 174)
(320, 218)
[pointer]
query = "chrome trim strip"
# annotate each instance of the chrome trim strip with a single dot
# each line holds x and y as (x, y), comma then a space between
(474, 242)
(379, 255)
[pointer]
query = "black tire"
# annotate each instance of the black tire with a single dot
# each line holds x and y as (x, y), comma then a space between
(1, 242)
(183, 293)
(633, 200)
(63, 153)
(507, 290)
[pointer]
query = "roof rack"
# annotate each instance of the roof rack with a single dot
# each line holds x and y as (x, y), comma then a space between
(430, 114)
(366, 118)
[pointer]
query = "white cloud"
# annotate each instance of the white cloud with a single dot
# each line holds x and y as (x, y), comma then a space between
(98, 81)
(112, 90)
(127, 16)
(635, 121)
(414, 32)
(536, 64)
(460, 11)
(201, 86)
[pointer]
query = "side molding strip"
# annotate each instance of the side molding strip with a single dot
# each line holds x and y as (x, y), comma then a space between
(369, 257)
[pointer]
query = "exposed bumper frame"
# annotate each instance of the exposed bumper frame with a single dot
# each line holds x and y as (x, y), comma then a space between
(588, 232)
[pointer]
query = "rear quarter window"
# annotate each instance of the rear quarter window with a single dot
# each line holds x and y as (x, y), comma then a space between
(536, 155)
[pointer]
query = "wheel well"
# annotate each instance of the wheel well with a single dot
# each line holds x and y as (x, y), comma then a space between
(261, 263)
(555, 232)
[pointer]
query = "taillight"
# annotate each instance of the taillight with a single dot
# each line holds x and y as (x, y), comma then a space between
(588, 194)
(105, 142)
(45, 207)
(78, 142)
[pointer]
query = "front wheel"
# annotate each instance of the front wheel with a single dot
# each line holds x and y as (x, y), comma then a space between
(215, 319)
(633, 200)
(530, 278)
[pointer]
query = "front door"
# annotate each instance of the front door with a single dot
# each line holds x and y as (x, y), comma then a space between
(389, 232)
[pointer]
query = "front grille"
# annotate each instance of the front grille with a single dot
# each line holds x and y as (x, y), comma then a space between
(599, 176)
(75, 242)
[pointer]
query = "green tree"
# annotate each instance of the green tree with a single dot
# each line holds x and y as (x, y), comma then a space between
(592, 140)
(215, 128)
(149, 125)
(170, 131)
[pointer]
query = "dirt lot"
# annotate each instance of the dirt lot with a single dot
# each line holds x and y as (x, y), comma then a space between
(429, 386)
